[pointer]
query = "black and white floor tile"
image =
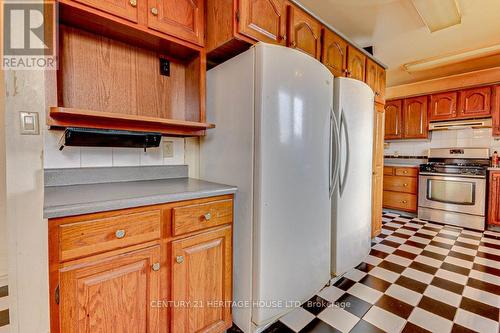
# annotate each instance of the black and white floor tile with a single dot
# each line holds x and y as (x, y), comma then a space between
(419, 277)
(4, 309)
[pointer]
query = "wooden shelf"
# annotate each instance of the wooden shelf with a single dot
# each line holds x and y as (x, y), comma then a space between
(71, 117)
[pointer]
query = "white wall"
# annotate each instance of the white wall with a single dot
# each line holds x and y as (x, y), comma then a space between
(477, 138)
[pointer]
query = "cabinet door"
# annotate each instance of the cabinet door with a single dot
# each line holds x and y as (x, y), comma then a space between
(393, 120)
(304, 32)
(496, 110)
(334, 53)
(443, 106)
(415, 121)
(494, 199)
(371, 75)
(263, 20)
(111, 295)
(356, 62)
(201, 276)
(381, 83)
(126, 9)
(180, 18)
(378, 170)
(475, 103)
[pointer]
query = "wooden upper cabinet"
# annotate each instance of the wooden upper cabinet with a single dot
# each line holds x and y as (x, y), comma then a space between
(184, 19)
(304, 32)
(111, 295)
(393, 119)
(334, 52)
(475, 103)
(443, 106)
(381, 83)
(375, 78)
(356, 63)
(263, 20)
(201, 273)
(126, 9)
(496, 110)
(415, 120)
(371, 77)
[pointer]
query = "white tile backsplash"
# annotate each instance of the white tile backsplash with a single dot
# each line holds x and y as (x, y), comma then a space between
(126, 157)
(83, 157)
(53, 157)
(467, 138)
(96, 157)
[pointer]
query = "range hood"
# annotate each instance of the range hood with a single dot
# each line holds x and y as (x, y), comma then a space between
(91, 137)
(460, 124)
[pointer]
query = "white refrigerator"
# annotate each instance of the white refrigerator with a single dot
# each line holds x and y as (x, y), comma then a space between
(351, 199)
(277, 139)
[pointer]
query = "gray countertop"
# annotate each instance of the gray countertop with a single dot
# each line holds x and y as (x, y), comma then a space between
(395, 162)
(72, 200)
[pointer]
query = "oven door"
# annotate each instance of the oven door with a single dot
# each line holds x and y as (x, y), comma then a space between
(460, 194)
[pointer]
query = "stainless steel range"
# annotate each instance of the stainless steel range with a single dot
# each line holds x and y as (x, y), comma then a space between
(452, 187)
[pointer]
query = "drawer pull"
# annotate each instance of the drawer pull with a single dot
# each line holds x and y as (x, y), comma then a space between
(404, 201)
(207, 216)
(120, 233)
(179, 259)
(405, 185)
(405, 172)
(155, 267)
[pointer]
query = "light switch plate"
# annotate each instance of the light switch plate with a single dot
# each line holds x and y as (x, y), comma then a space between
(168, 149)
(29, 123)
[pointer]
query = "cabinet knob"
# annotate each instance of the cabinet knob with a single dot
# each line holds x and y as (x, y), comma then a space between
(155, 267)
(404, 201)
(405, 185)
(154, 11)
(293, 44)
(207, 216)
(120, 233)
(133, 3)
(179, 259)
(377, 93)
(405, 172)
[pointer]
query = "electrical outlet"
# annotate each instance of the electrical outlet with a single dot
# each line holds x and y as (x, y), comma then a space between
(168, 149)
(29, 123)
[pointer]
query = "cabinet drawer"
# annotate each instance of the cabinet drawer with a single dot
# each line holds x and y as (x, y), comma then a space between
(400, 201)
(407, 172)
(400, 184)
(388, 171)
(81, 239)
(201, 216)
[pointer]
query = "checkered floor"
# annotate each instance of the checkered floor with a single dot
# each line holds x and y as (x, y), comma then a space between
(419, 277)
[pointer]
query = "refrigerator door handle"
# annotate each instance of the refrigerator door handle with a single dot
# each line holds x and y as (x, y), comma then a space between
(334, 162)
(343, 127)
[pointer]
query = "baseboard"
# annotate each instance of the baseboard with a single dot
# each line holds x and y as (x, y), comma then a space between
(4, 281)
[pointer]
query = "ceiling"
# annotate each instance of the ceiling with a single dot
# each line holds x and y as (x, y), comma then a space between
(399, 35)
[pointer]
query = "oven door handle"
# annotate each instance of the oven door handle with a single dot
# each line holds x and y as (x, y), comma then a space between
(450, 176)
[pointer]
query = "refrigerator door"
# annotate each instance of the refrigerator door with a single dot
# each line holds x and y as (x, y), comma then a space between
(292, 207)
(351, 201)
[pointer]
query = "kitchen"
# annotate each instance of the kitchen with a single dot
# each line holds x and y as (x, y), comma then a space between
(125, 189)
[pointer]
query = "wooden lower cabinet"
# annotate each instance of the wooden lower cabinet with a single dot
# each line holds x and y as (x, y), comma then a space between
(378, 170)
(168, 282)
(494, 199)
(201, 272)
(111, 295)
(401, 188)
